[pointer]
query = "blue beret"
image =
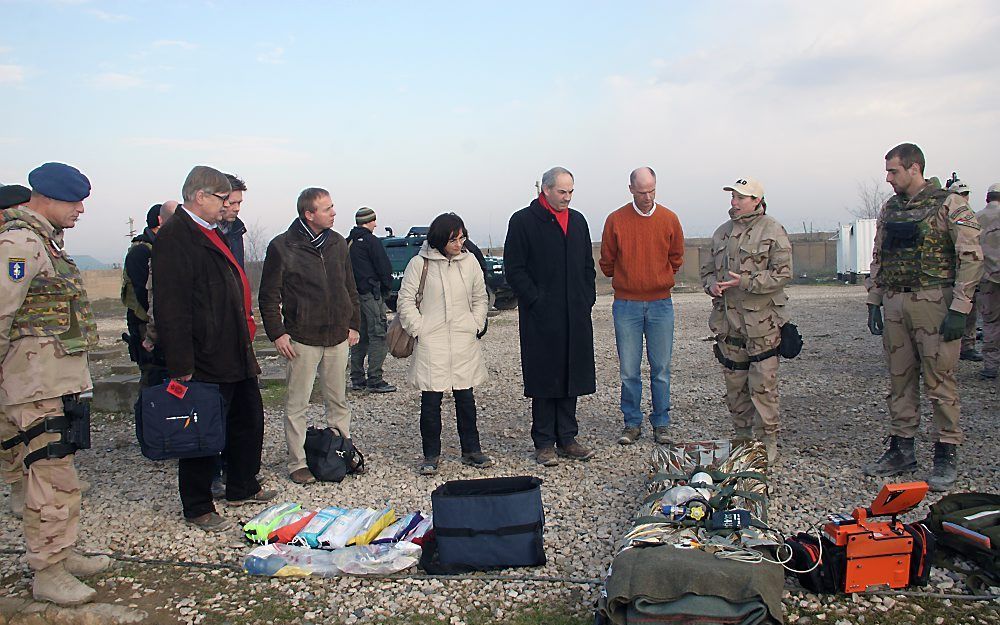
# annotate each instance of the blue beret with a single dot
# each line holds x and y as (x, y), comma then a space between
(59, 182)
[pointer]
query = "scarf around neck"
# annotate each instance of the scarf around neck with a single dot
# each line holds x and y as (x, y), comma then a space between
(316, 240)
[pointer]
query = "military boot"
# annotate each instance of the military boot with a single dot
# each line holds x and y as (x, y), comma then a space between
(55, 584)
(17, 498)
(945, 467)
(743, 435)
(80, 565)
(895, 460)
(771, 446)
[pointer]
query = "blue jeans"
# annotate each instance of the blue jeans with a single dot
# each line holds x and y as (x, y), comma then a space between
(655, 321)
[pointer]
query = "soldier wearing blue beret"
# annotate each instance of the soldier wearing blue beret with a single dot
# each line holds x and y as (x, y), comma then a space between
(46, 330)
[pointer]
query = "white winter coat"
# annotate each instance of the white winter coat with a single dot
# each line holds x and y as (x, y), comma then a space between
(447, 355)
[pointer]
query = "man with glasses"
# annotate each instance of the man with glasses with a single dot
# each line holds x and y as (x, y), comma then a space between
(205, 323)
(641, 250)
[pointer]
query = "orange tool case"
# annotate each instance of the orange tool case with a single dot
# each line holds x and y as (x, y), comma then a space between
(877, 552)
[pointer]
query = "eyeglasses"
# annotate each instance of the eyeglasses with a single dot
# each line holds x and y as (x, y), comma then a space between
(224, 198)
(459, 239)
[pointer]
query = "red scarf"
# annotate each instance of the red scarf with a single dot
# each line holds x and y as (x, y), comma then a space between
(216, 238)
(562, 217)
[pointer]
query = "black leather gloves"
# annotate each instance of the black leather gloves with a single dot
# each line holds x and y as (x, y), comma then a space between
(875, 319)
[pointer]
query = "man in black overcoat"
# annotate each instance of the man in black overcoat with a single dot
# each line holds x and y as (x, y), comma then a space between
(549, 263)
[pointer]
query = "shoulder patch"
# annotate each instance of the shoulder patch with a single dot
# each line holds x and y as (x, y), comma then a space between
(15, 269)
(963, 216)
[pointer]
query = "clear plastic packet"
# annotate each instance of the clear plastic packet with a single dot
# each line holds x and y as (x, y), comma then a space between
(278, 560)
(374, 524)
(263, 523)
(346, 527)
(395, 532)
(416, 535)
(308, 536)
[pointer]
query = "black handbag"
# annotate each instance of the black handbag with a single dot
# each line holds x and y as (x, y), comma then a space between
(192, 426)
(331, 457)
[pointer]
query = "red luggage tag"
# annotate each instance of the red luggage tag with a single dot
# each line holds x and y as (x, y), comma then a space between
(177, 389)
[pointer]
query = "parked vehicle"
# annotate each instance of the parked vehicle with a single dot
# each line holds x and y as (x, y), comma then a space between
(402, 249)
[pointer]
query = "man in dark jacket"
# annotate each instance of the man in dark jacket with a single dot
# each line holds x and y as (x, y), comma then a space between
(204, 319)
(230, 224)
(373, 276)
(549, 264)
(309, 306)
(135, 297)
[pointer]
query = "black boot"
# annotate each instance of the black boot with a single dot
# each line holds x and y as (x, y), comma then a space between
(945, 467)
(896, 460)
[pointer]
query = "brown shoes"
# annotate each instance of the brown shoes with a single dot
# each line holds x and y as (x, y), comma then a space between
(629, 436)
(546, 457)
(211, 522)
(302, 476)
(575, 451)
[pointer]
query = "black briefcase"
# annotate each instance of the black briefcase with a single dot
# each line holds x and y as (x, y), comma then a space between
(192, 426)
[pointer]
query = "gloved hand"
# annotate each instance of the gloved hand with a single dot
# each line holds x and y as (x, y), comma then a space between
(875, 320)
(953, 326)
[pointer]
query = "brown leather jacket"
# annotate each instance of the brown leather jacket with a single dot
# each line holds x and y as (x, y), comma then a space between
(307, 293)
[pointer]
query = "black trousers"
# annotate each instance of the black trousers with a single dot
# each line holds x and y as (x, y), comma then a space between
(244, 442)
(553, 421)
(430, 421)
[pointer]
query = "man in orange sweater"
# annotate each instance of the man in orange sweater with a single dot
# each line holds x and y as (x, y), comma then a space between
(641, 250)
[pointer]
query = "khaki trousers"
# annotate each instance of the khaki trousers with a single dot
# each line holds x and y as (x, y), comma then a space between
(914, 349)
(989, 306)
(971, 321)
(331, 362)
(752, 394)
(52, 488)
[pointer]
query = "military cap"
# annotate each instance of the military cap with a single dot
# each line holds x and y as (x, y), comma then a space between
(994, 188)
(13, 195)
(364, 215)
(746, 186)
(59, 182)
(958, 187)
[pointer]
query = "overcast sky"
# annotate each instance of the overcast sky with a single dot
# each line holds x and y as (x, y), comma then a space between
(416, 108)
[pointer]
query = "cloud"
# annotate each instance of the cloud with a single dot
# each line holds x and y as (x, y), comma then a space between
(174, 43)
(11, 74)
(270, 54)
(104, 16)
(118, 81)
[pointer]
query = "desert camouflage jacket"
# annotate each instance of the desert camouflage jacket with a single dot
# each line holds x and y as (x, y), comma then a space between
(989, 239)
(756, 247)
(952, 224)
(35, 366)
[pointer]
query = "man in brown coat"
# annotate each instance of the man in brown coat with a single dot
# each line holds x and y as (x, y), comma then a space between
(309, 305)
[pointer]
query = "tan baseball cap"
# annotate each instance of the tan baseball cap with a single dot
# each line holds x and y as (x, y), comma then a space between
(958, 187)
(746, 186)
(994, 188)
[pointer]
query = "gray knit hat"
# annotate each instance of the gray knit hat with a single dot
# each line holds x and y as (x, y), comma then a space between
(364, 215)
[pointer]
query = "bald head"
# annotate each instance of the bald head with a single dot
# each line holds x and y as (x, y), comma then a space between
(642, 186)
(167, 211)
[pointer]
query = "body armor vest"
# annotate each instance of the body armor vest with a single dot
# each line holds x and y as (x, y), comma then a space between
(54, 305)
(915, 253)
(128, 296)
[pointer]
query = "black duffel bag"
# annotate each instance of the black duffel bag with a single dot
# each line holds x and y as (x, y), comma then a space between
(192, 426)
(330, 456)
(791, 341)
(486, 524)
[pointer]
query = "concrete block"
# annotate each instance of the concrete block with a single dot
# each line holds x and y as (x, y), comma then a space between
(116, 393)
(124, 368)
(263, 352)
(106, 353)
(272, 379)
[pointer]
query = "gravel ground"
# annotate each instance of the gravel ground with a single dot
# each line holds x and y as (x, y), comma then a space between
(833, 417)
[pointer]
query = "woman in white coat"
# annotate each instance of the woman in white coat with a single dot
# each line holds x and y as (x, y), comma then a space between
(447, 326)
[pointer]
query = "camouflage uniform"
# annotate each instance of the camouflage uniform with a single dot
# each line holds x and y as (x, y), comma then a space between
(989, 287)
(926, 260)
(46, 329)
(747, 319)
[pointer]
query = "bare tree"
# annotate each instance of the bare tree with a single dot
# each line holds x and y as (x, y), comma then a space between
(871, 197)
(255, 241)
